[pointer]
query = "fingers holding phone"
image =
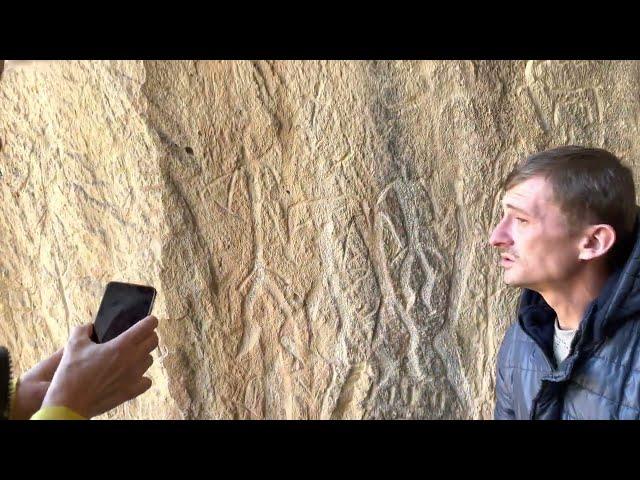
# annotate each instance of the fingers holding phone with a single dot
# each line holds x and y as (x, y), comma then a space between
(140, 333)
(103, 364)
(94, 378)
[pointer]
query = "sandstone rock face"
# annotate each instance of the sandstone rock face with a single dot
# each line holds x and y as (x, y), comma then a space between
(317, 231)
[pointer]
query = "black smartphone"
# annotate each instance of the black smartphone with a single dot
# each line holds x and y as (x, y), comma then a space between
(122, 306)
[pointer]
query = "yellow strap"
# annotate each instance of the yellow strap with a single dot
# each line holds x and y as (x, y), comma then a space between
(56, 413)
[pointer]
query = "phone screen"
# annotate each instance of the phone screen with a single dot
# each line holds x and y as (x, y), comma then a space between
(122, 306)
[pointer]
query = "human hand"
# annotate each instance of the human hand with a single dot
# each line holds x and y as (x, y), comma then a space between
(94, 378)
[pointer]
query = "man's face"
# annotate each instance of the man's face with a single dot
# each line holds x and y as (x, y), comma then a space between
(537, 247)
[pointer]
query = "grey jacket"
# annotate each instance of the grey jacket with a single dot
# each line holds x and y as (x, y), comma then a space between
(600, 379)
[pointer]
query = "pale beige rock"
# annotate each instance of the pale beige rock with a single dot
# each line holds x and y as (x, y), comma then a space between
(317, 231)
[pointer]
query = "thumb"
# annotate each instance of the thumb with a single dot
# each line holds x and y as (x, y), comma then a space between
(82, 332)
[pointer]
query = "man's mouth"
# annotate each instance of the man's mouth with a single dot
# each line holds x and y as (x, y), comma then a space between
(506, 260)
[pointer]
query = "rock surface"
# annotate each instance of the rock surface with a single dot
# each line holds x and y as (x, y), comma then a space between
(317, 231)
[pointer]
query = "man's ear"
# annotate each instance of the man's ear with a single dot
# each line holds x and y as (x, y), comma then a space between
(596, 241)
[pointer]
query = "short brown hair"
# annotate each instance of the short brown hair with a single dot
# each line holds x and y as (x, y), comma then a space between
(591, 186)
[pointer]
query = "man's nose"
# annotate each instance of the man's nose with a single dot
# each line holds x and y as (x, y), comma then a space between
(500, 237)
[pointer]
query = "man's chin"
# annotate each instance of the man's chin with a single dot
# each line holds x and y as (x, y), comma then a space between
(513, 281)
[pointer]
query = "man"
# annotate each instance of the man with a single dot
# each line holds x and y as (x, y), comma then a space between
(84, 379)
(569, 239)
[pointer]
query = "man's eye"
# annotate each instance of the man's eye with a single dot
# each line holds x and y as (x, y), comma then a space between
(520, 220)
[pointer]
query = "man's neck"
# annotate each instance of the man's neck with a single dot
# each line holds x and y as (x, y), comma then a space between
(570, 298)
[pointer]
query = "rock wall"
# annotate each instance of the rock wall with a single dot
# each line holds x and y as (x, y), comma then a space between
(317, 231)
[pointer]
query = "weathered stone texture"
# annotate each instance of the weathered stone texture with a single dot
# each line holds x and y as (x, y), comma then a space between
(317, 231)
